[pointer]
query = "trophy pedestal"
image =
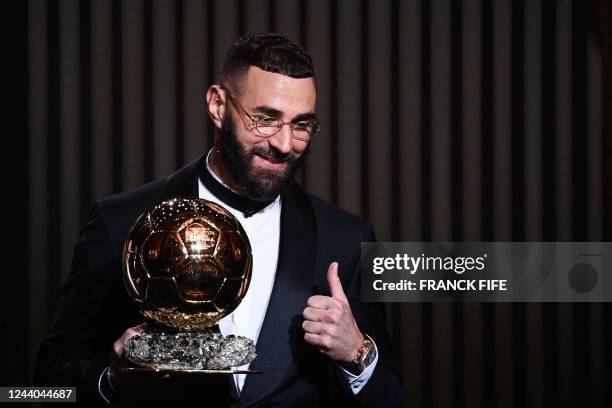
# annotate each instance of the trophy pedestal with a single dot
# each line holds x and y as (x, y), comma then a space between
(207, 352)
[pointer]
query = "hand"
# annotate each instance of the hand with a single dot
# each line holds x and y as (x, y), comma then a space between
(146, 386)
(329, 324)
(129, 333)
(117, 378)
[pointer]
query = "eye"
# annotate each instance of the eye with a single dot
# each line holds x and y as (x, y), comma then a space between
(266, 121)
(304, 125)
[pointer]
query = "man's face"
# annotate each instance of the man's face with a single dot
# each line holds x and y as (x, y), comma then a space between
(263, 166)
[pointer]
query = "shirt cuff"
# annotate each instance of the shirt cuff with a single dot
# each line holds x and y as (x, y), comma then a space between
(104, 383)
(356, 382)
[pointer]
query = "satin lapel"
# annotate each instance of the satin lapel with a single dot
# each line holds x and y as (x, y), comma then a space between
(292, 287)
(183, 183)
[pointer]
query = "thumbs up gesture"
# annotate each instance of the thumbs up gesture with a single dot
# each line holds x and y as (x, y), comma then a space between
(329, 324)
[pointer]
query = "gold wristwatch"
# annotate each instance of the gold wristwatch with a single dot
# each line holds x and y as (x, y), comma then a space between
(366, 353)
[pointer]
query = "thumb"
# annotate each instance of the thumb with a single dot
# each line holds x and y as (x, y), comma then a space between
(334, 283)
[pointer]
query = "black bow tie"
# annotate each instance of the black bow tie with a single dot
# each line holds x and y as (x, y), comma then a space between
(243, 204)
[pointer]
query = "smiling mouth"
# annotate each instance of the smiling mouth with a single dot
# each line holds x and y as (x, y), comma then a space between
(269, 163)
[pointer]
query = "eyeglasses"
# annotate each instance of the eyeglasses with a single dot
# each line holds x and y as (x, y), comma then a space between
(266, 126)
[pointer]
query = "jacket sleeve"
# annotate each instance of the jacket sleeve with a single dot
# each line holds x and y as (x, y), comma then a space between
(384, 387)
(79, 344)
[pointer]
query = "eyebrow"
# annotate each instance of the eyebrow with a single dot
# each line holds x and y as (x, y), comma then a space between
(305, 116)
(266, 110)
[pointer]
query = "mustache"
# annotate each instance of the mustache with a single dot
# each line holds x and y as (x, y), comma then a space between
(272, 154)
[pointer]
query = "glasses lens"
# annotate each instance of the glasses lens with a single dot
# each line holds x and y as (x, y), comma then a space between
(301, 134)
(267, 129)
(271, 126)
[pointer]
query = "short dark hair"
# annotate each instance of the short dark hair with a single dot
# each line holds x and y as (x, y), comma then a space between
(271, 52)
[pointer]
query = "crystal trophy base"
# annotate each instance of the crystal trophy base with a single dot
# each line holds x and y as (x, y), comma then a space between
(206, 352)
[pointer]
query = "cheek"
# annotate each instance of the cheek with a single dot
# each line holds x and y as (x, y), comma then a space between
(299, 147)
(247, 140)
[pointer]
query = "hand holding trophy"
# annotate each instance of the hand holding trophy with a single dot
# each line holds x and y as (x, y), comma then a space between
(187, 263)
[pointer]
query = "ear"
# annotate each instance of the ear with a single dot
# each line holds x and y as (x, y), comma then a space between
(216, 101)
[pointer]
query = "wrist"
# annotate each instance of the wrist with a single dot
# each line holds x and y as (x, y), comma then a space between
(365, 353)
(109, 384)
(109, 377)
(104, 387)
(356, 347)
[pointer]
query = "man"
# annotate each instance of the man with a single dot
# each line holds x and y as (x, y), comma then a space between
(317, 344)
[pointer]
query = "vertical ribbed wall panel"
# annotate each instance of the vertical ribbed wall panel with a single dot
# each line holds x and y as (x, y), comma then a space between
(442, 120)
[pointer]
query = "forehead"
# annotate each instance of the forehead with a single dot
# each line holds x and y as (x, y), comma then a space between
(283, 93)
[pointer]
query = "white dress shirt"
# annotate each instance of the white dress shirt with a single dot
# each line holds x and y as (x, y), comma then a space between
(263, 231)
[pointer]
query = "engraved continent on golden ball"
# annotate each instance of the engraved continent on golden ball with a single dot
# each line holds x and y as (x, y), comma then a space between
(187, 263)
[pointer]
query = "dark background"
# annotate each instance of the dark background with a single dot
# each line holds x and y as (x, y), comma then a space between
(442, 120)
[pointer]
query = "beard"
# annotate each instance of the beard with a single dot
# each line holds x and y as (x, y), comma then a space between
(256, 183)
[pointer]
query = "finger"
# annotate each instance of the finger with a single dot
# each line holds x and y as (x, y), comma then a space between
(314, 314)
(321, 302)
(141, 328)
(331, 315)
(335, 286)
(312, 327)
(133, 331)
(118, 348)
(129, 333)
(320, 328)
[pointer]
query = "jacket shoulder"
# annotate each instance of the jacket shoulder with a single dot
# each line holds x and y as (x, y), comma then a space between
(140, 196)
(121, 210)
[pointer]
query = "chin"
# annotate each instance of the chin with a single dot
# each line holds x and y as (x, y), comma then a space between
(268, 180)
(258, 173)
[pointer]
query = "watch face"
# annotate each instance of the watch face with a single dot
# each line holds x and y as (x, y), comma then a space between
(370, 356)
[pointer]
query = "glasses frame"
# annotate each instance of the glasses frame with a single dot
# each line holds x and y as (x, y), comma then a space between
(280, 122)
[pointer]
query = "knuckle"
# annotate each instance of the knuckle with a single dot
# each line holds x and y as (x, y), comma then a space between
(330, 330)
(309, 338)
(333, 317)
(326, 342)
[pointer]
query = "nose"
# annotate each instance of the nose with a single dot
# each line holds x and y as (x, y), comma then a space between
(283, 140)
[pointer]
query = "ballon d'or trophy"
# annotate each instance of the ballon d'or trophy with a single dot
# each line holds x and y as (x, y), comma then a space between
(187, 263)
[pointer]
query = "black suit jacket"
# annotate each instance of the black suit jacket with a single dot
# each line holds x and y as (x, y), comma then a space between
(94, 310)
